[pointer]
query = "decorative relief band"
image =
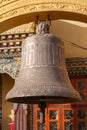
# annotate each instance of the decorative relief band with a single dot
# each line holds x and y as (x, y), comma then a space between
(76, 67)
(80, 7)
(10, 57)
(6, 2)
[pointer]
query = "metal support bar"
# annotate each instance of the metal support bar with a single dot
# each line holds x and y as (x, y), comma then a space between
(42, 107)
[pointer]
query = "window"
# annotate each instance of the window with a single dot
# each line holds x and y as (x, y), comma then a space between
(66, 116)
(52, 119)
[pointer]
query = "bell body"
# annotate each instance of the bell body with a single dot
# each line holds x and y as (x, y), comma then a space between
(43, 75)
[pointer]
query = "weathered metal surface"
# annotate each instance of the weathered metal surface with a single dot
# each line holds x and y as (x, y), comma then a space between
(43, 75)
(10, 59)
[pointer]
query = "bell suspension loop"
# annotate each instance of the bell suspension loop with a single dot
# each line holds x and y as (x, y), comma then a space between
(43, 26)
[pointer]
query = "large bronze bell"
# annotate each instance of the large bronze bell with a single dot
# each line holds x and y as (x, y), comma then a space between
(43, 76)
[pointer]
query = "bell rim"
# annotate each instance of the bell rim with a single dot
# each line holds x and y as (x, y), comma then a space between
(47, 99)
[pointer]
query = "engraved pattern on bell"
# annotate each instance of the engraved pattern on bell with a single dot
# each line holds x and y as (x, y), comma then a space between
(43, 75)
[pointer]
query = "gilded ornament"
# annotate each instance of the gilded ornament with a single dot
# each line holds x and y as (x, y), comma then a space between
(33, 6)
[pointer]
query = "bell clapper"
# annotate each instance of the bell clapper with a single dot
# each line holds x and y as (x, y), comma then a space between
(42, 106)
